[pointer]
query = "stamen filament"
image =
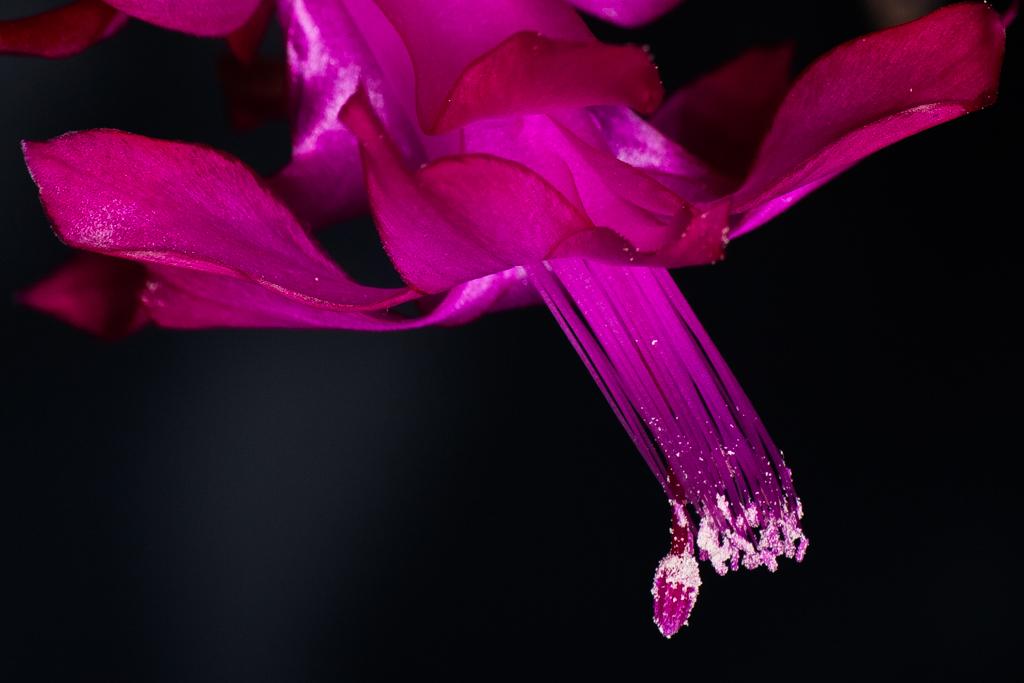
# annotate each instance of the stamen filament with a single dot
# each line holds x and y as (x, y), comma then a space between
(685, 412)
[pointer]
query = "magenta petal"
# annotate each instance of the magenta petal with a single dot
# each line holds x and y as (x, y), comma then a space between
(1010, 13)
(583, 155)
(96, 293)
(569, 152)
(872, 92)
(479, 59)
(496, 292)
(451, 221)
(198, 17)
(61, 32)
(621, 197)
(529, 73)
(333, 47)
(626, 12)
(180, 298)
(723, 116)
(636, 142)
(175, 204)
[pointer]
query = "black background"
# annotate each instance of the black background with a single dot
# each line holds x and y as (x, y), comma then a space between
(284, 505)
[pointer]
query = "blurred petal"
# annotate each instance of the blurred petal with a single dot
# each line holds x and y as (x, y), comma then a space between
(869, 93)
(256, 91)
(198, 17)
(174, 204)
(61, 32)
(723, 116)
(1010, 13)
(626, 12)
(451, 221)
(474, 60)
(96, 293)
(245, 40)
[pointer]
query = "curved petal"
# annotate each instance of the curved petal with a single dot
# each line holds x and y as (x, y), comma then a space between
(112, 297)
(96, 293)
(569, 152)
(180, 298)
(488, 294)
(451, 221)
(628, 13)
(61, 32)
(869, 93)
(333, 46)
(198, 17)
(174, 204)
(529, 73)
(636, 142)
(723, 116)
(474, 60)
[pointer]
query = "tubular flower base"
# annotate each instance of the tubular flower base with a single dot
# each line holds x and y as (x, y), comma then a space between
(688, 416)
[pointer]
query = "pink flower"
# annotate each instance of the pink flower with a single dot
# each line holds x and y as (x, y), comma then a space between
(499, 150)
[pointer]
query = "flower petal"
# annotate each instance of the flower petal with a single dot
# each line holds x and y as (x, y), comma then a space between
(628, 13)
(530, 73)
(451, 221)
(723, 116)
(636, 142)
(186, 299)
(333, 46)
(568, 151)
(869, 93)
(61, 32)
(96, 293)
(198, 17)
(175, 204)
(475, 60)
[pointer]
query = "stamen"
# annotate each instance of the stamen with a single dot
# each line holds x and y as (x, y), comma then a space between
(686, 413)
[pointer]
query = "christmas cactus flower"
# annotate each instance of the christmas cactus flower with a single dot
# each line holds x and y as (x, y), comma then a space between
(502, 153)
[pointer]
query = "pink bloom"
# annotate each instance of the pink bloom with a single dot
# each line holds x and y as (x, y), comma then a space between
(498, 148)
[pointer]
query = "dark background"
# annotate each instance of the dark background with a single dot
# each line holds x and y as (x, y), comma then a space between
(233, 505)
